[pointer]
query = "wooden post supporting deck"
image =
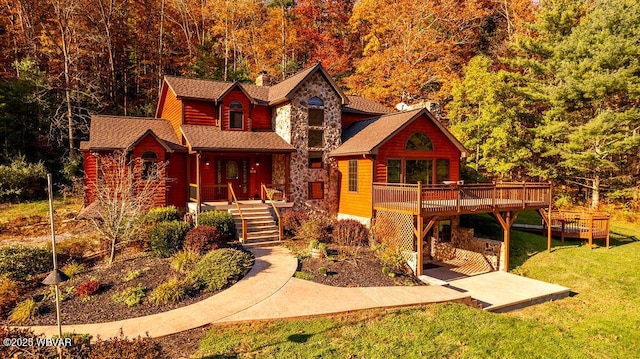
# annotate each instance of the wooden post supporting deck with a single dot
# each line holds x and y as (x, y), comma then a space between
(419, 233)
(199, 198)
(506, 224)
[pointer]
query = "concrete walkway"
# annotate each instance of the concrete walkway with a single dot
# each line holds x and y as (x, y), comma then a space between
(268, 291)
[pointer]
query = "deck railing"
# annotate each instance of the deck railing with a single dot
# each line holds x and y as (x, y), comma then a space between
(583, 225)
(460, 198)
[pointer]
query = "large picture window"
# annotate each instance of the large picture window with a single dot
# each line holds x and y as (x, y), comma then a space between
(419, 171)
(353, 176)
(442, 171)
(236, 116)
(394, 171)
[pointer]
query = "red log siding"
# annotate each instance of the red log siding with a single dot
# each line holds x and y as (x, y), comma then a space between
(261, 118)
(356, 203)
(90, 170)
(394, 148)
(149, 143)
(349, 119)
(177, 190)
(170, 108)
(235, 95)
(199, 113)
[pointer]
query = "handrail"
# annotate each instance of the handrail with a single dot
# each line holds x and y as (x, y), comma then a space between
(232, 195)
(264, 193)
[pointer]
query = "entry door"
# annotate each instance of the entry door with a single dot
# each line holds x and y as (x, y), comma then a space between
(234, 172)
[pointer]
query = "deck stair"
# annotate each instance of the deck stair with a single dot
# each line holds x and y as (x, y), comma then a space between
(261, 225)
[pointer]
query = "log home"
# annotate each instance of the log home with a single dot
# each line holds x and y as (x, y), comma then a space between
(303, 142)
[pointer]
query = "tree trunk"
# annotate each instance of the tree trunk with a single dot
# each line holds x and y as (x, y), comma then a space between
(595, 192)
(112, 256)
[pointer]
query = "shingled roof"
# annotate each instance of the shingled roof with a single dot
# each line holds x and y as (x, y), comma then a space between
(367, 136)
(212, 139)
(119, 132)
(359, 104)
(209, 90)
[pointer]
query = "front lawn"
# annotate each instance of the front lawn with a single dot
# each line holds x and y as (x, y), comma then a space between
(600, 320)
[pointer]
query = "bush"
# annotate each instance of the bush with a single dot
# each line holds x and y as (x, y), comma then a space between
(291, 222)
(315, 229)
(76, 247)
(185, 261)
(50, 294)
(349, 232)
(161, 214)
(386, 245)
(8, 294)
(203, 238)
(222, 267)
(87, 288)
(130, 296)
(73, 268)
(25, 310)
(169, 292)
(131, 275)
(21, 262)
(21, 180)
(220, 219)
(166, 237)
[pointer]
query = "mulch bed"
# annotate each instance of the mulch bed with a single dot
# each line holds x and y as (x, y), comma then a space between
(100, 307)
(363, 269)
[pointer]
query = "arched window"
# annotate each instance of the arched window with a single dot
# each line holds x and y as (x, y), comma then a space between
(419, 141)
(236, 116)
(316, 122)
(316, 102)
(149, 165)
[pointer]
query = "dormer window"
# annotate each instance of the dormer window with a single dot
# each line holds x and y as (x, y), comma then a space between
(236, 116)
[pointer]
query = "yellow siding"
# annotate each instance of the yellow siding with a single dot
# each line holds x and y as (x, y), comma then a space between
(171, 109)
(356, 204)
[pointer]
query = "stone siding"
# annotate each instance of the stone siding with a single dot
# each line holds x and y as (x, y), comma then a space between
(292, 124)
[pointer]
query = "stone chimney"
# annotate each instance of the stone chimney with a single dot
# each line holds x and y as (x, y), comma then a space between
(263, 79)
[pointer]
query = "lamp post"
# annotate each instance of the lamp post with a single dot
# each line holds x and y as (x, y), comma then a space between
(56, 276)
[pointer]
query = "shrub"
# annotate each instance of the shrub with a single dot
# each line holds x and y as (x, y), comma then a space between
(8, 294)
(291, 222)
(161, 214)
(220, 219)
(87, 288)
(185, 261)
(387, 246)
(76, 247)
(315, 228)
(21, 262)
(25, 310)
(131, 275)
(50, 294)
(166, 237)
(73, 268)
(168, 292)
(203, 238)
(222, 267)
(130, 296)
(349, 232)
(303, 275)
(21, 180)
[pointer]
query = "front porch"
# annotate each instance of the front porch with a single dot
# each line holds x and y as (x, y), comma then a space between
(418, 213)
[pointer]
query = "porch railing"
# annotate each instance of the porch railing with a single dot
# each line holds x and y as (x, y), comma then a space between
(234, 199)
(582, 225)
(264, 194)
(209, 193)
(277, 191)
(460, 198)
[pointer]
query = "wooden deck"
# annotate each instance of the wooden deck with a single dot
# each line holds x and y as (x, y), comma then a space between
(460, 199)
(572, 224)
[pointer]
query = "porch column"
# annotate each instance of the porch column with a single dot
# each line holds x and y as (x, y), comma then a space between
(287, 174)
(198, 197)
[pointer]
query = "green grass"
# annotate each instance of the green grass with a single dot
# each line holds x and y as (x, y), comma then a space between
(10, 212)
(600, 320)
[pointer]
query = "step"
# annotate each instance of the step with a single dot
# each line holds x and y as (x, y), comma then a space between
(262, 238)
